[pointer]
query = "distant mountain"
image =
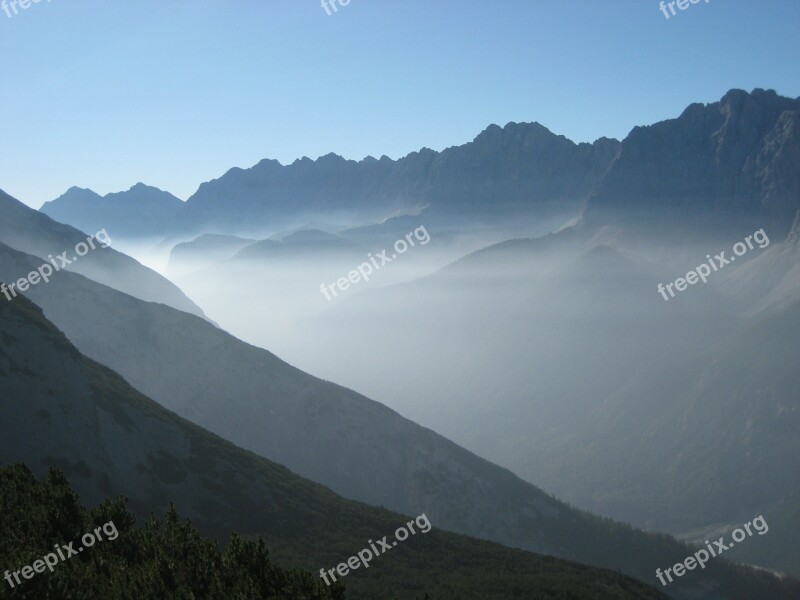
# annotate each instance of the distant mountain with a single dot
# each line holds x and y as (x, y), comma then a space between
(307, 244)
(142, 211)
(342, 439)
(62, 409)
(300, 244)
(521, 168)
(32, 232)
(203, 251)
(728, 164)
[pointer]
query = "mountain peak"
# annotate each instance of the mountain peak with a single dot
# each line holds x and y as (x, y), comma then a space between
(512, 131)
(736, 96)
(142, 210)
(75, 189)
(331, 158)
(731, 161)
(80, 192)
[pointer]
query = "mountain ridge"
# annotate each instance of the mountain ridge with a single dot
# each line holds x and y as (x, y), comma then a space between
(269, 196)
(730, 160)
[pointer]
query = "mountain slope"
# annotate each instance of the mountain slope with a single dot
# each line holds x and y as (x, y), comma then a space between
(332, 435)
(32, 232)
(714, 442)
(53, 397)
(586, 382)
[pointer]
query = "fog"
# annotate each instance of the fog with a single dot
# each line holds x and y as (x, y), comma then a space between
(545, 355)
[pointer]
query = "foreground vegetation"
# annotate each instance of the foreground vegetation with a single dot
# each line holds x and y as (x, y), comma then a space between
(164, 558)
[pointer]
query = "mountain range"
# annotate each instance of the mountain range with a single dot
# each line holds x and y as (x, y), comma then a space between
(522, 168)
(727, 161)
(551, 355)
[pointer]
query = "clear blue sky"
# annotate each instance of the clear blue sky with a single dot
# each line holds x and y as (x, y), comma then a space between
(106, 93)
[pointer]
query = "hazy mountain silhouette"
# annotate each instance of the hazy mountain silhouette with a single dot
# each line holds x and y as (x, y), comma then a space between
(722, 163)
(203, 251)
(141, 211)
(30, 231)
(520, 168)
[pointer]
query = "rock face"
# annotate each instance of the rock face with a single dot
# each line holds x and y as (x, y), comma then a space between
(734, 162)
(142, 211)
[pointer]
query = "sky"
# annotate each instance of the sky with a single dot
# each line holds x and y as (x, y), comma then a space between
(107, 93)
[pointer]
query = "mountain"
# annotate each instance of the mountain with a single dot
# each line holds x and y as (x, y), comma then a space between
(32, 232)
(727, 165)
(61, 408)
(339, 438)
(521, 168)
(301, 244)
(203, 251)
(142, 211)
(518, 168)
